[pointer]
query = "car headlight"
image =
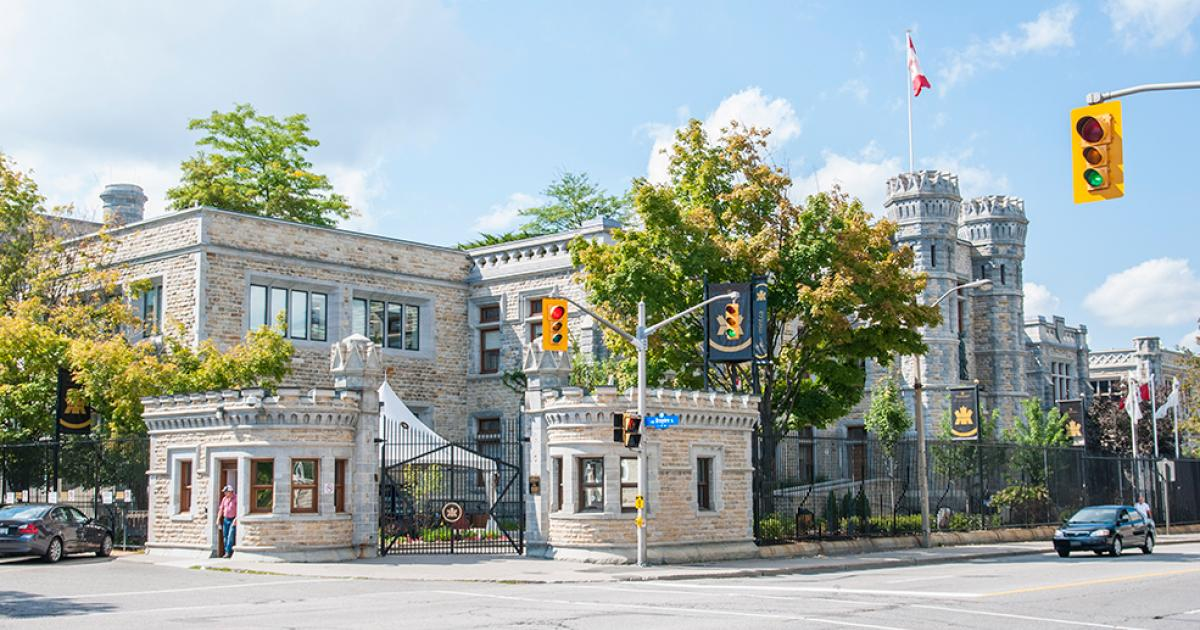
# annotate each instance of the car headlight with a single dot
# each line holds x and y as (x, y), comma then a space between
(1100, 533)
(1058, 533)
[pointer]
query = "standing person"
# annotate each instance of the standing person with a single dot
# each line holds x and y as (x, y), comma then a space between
(1143, 508)
(228, 514)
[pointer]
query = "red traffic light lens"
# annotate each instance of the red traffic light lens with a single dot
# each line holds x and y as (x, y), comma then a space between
(1089, 129)
(557, 312)
(731, 309)
(1093, 155)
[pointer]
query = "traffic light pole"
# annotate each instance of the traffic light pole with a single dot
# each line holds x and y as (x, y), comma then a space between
(1099, 97)
(640, 340)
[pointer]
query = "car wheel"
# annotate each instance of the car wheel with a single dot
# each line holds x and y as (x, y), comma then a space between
(1063, 553)
(1117, 547)
(105, 549)
(54, 551)
(1149, 546)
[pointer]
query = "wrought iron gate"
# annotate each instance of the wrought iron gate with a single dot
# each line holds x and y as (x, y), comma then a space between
(451, 497)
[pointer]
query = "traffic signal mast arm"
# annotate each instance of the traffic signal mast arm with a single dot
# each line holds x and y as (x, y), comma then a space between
(1099, 97)
(732, 295)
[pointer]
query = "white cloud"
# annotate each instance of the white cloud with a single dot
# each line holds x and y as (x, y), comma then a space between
(361, 187)
(1156, 22)
(855, 88)
(863, 176)
(749, 108)
(73, 177)
(505, 216)
(1051, 29)
(1040, 301)
(1163, 291)
(1189, 341)
(973, 180)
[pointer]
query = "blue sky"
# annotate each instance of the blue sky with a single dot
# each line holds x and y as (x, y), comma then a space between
(439, 120)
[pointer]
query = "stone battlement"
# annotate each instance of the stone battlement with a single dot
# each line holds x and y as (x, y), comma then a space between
(999, 206)
(923, 182)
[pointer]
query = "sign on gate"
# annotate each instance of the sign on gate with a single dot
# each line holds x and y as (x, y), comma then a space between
(452, 512)
(662, 420)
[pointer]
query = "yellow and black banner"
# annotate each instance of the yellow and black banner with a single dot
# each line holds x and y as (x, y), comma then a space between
(71, 413)
(758, 320)
(964, 413)
(1073, 409)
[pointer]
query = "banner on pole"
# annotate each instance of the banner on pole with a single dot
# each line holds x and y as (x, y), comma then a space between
(1075, 425)
(758, 320)
(728, 324)
(964, 413)
(71, 414)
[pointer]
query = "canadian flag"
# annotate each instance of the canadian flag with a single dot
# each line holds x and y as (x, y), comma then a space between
(1133, 401)
(919, 80)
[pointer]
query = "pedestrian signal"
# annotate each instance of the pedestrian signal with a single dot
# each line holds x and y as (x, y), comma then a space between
(554, 324)
(1097, 158)
(631, 433)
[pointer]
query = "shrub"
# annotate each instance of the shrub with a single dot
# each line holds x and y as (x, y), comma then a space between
(1026, 503)
(774, 527)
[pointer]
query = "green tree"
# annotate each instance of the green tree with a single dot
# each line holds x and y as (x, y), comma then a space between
(257, 165)
(841, 293)
(887, 420)
(1038, 430)
(70, 308)
(574, 200)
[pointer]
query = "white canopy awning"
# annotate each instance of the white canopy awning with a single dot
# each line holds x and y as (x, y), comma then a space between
(407, 439)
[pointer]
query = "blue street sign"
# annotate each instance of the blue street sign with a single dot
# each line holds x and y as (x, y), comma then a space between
(661, 420)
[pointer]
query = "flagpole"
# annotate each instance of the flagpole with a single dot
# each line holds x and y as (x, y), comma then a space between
(1175, 413)
(909, 92)
(1153, 408)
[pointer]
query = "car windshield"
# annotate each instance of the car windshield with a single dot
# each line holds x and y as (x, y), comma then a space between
(1093, 515)
(21, 512)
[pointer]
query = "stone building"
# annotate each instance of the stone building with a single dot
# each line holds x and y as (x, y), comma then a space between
(1058, 360)
(1108, 369)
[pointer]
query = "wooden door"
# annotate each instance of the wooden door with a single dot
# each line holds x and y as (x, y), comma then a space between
(226, 476)
(857, 442)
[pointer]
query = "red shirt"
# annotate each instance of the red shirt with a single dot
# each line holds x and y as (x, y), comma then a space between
(228, 507)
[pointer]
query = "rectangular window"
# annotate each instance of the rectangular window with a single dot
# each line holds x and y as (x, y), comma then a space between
(395, 325)
(317, 322)
(535, 315)
(258, 307)
(591, 484)
(304, 485)
(152, 311)
(358, 316)
(1001, 274)
(933, 256)
(298, 324)
(279, 300)
(375, 317)
(412, 327)
(339, 485)
(487, 442)
(185, 486)
(704, 483)
(629, 479)
(262, 485)
(489, 359)
(489, 314)
(558, 484)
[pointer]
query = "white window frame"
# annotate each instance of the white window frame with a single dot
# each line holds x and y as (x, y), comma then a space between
(424, 307)
(716, 453)
(290, 288)
(176, 459)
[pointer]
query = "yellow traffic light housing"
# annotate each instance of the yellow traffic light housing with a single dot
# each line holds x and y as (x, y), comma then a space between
(554, 324)
(1097, 160)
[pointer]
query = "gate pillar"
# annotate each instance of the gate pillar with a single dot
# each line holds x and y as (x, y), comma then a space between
(358, 373)
(544, 372)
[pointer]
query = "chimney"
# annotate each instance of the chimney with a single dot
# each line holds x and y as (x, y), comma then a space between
(123, 204)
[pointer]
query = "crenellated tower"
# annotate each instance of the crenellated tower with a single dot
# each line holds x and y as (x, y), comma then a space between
(996, 225)
(925, 206)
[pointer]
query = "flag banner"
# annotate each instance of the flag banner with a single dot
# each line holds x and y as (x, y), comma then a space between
(1073, 409)
(1133, 401)
(964, 413)
(70, 412)
(1172, 402)
(758, 321)
(918, 78)
(728, 323)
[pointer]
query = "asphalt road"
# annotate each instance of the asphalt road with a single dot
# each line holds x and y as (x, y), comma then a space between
(1044, 591)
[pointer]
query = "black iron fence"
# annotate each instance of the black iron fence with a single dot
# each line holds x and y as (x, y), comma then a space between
(813, 487)
(105, 479)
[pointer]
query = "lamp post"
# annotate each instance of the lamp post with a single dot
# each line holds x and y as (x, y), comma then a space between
(918, 412)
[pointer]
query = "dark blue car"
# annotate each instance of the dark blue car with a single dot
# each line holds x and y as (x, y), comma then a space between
(51, 531)
(1105, 529)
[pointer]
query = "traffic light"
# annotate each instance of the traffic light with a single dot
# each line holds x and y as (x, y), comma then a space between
(731, 322)
(1097, 165)
(619, 428)
(631, 432)
(554, 324)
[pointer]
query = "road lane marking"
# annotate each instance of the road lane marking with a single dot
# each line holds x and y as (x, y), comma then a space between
(923, 579)
(1112, 580)
(183, 590)
(1025, 617)
(689, 611)
(833, 589)
(775, 597)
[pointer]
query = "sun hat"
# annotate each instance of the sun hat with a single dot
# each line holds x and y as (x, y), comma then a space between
(227, 489)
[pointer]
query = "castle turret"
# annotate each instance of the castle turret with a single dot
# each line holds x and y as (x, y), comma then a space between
(123, 204)
(925, 206)
(995, 225)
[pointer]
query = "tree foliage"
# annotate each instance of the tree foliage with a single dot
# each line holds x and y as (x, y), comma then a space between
(841, 293)
(1038, 430)
(887, 419)
(71, 308)
(1108, 426)
(256, 164)
(574, 200)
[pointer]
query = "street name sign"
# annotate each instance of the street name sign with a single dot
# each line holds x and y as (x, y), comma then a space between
(662, 420)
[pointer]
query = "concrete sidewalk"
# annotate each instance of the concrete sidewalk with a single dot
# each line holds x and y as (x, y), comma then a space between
(516, 569)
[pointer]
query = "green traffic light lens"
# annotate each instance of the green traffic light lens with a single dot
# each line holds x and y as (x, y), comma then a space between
(1093, 177)
(556, 339)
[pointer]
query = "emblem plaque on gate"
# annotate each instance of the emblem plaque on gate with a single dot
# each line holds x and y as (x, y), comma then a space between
(452, 512)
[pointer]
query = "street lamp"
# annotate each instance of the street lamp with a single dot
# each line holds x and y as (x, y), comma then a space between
(918, 412)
